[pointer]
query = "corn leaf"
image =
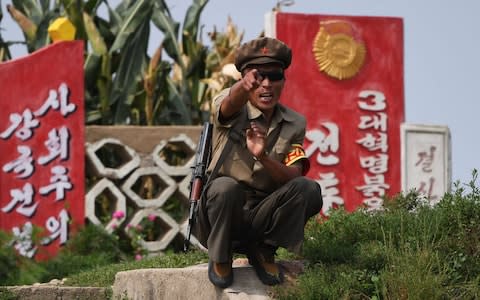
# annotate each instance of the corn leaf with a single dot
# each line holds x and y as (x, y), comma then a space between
(136, 16)
(129, 72)
(192, 17)
(96, 40)
(123, 6)
(174, 112)
(93, 116)
(149, 79)
(42, 38)
(115, 19)
(28, 27)
(105, 30)
(91, 6)
(91, 69)
(44, 5)
(166, 24)
(160, 91)
(30, 9)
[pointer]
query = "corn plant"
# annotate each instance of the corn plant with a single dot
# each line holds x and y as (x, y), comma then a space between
(123, 85)
(143, 91)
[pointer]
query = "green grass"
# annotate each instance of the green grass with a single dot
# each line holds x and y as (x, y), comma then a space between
(104, 276)
(407, 251)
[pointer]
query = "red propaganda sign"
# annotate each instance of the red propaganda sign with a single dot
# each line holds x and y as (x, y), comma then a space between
(42, 148)
(346, 77)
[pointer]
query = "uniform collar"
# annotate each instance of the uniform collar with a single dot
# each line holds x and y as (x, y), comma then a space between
(280, 113)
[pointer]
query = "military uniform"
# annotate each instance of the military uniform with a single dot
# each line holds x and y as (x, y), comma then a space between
(242, 204)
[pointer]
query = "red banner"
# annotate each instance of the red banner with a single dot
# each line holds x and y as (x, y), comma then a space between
(42, 148)
(346, 77)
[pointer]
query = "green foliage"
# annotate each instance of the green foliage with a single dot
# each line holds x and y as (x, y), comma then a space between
(93, 239)
(66, 264)
(8, 266)
(339, 236)
(407, 251)
(415, 274)
(34, 17)
(91, 247)
(5, 294)
(15, 269)
(123, 84)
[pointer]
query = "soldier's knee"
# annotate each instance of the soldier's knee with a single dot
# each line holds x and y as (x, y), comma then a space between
(306, 186)
(311, 193)
(224, 190)
(223, 185)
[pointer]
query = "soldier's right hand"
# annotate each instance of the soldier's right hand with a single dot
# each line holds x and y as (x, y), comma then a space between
(251, 80)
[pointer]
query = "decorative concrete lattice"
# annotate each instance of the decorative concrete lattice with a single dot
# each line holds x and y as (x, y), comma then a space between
(116, 200)
(167, 224)
(147, 179)
(128, 158)
(181, 143)
(166, 183)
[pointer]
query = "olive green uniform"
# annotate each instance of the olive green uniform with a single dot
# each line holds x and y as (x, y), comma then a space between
(243, 204)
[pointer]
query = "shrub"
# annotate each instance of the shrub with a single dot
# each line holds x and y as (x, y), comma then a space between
(408, 250)
(336, 239)
(16, 269)
(90, 247)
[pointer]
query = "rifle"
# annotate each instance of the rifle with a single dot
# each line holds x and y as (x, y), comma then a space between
(197, 182)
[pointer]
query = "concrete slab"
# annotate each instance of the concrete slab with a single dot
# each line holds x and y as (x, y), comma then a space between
(47, 292)
(187, 283)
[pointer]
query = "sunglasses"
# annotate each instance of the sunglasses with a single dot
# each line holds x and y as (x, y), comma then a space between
(272, 76)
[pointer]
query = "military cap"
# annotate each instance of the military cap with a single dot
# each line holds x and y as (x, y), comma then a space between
(263, 51)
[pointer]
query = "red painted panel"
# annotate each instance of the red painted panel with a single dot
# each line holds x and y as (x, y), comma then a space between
(345, 129)
(42, 146)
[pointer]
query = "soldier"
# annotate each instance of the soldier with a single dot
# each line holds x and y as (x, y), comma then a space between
(258, 198)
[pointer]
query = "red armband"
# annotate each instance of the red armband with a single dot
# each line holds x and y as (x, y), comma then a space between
(296, 154)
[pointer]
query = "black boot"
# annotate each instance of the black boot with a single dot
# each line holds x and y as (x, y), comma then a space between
(262, 258)
(220, 274)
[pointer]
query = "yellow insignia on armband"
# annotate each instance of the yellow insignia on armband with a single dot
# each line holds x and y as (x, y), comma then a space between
(297, 153)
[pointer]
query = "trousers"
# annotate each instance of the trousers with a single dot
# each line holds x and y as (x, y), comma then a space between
(232, 214)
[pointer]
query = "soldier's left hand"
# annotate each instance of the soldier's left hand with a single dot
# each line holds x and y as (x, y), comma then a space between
(256, 136)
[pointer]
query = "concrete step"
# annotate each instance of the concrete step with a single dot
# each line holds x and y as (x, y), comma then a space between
(193, 283)
(54, 292)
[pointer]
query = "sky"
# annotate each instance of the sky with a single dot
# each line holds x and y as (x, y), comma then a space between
(441, 62)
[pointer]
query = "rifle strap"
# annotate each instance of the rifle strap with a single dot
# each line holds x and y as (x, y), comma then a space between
(234, 134)
(226, 150)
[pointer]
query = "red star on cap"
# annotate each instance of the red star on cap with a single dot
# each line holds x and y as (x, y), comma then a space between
(264, 50)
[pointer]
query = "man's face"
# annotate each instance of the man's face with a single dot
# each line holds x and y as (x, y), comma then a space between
(267, 94)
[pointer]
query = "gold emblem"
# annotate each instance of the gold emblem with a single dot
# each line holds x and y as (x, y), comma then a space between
(336, 51)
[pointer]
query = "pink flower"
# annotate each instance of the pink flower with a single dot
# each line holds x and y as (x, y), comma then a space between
(139, 227)
(152, 217)
(114, 226)
(118, 214)
(138, 257)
